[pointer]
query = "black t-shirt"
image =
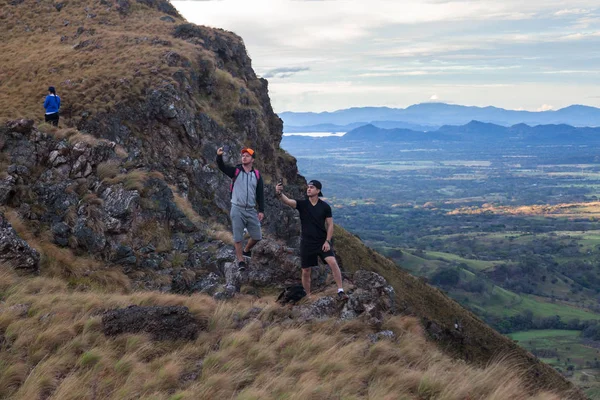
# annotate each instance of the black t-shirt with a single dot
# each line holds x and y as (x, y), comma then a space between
(314, 233)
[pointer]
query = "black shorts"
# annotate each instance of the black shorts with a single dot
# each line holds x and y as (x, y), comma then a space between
(310, 257)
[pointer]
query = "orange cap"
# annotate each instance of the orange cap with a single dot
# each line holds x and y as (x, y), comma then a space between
(247, 150)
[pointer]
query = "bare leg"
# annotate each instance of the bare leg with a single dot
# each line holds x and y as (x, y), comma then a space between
(306, 280)
(238, 251)
(251, 243)
(335, 270)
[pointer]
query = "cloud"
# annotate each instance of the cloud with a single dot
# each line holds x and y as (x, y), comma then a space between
(434, 97)
(284, 72)
(442, 68)
(571, 11)
(571, 71)
(545, 107)
(324, 54)
(396, 73)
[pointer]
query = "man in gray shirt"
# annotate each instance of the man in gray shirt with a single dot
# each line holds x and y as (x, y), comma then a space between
(247, 192)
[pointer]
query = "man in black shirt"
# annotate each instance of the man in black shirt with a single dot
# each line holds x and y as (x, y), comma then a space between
(317, 232)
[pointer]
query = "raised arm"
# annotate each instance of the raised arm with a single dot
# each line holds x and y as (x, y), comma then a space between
(284, 199)
(227, 169)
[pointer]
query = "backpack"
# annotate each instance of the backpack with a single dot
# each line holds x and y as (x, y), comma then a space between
(237, 172)
(291, 294)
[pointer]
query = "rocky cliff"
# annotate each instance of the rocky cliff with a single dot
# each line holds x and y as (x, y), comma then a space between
(126, 195)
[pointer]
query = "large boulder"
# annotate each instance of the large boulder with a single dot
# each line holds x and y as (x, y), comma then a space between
(161, 322)
(371, 299)
(15, 251)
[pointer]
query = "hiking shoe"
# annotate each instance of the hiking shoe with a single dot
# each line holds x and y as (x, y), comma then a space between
(241, 266)
(342, 296)
(247, 253)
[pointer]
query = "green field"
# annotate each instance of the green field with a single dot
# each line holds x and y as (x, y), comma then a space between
(499, 302)
(570, 355)
(475, 264)
(505, 303)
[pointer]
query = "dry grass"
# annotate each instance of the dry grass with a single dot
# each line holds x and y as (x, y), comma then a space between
(186, 207)
(220, 232)
(108, 169)
(156, 233)
(132, 180)
(57, 349)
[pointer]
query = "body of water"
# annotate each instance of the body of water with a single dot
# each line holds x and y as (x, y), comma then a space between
(315, 134)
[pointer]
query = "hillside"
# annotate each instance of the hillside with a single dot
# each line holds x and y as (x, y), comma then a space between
(122, 204)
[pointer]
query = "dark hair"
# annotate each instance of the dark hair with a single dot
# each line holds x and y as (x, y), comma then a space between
(52, 90)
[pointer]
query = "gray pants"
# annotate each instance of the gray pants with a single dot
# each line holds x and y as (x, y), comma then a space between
(244, 218)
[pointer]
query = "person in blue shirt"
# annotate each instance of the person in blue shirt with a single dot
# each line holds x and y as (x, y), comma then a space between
(52, 106)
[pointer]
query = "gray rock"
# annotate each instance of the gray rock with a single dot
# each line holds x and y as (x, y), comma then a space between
(148, 249)
(23, 126)
(369, 280)
(376, 337)
(153, 262)
(15, 251)
(125, 256)
(371, 300)
(88, 239)
(19, 310)
(7, 189)
(119, 202)
(61, 232)
(161, 322)
(226, 293)
(167, 18)
(323, 308)
(233, 277)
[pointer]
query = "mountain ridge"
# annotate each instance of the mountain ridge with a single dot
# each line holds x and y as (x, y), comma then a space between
(474, 130)
(438, 114)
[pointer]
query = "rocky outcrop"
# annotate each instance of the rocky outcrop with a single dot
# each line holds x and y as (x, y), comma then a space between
(14, 251)
(370, 298)
(161, 322)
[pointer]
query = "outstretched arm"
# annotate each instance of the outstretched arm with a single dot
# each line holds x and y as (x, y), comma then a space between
(284, 199)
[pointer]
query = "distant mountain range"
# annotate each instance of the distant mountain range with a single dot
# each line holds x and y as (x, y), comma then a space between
(354, 125)
(473, 131)
(433, 115)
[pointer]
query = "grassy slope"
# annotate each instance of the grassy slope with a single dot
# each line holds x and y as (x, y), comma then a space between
(92, 79)
(481, 343)
(126, 56)
(55, 349)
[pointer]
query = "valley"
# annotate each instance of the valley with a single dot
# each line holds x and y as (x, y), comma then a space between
(511, 230)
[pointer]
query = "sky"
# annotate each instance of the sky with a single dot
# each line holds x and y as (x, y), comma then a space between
(326, 55)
